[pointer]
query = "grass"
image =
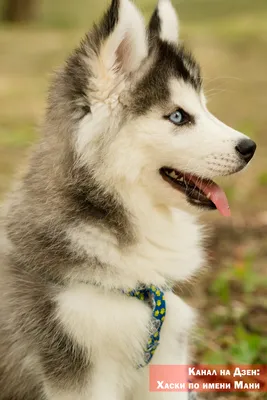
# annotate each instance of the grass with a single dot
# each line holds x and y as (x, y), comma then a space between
(229, 39)
(234, 290)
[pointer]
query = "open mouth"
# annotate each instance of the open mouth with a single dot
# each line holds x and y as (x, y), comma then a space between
(199, 192)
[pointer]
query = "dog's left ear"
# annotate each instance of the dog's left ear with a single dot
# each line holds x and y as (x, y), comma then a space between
(164, 23)
(123, 40)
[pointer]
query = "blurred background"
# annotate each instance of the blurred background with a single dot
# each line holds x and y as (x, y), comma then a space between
(229, 38)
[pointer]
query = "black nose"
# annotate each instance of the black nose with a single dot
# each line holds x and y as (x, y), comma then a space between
(246, 149)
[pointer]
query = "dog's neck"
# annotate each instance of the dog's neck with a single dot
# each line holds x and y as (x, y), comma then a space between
(167, 248)
(170, 241)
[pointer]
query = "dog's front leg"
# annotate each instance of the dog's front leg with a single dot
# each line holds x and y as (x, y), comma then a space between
(102, 346)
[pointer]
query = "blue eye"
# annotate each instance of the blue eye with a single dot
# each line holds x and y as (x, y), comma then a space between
(179, 117)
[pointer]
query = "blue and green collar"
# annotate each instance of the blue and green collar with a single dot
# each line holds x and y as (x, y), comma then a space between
(156, 298)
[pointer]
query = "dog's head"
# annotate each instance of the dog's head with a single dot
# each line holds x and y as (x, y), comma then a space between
(138, 114)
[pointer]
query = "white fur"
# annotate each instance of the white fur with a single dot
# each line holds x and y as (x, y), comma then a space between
(169, 22)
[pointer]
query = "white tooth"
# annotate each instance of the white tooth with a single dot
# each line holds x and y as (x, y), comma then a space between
(209, 196)
(173, 174)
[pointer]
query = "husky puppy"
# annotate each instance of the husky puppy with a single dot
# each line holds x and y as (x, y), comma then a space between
(107, 206)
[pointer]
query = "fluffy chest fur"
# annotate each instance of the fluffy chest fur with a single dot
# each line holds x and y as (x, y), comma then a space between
(168, 250)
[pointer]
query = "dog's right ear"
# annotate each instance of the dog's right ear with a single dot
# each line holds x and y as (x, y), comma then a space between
(164, 23)
(120, 39)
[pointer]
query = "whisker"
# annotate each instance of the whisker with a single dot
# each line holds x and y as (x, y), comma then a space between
(222, 78)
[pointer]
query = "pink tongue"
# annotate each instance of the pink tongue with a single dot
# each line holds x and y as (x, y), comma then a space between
(215, 194)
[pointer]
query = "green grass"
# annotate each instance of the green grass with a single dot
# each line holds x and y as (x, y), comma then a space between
(262, 179)
(233, 296)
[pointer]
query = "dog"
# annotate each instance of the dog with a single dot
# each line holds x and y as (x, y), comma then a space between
(105, 220)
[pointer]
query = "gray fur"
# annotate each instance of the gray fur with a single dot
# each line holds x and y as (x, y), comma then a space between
(33, 344)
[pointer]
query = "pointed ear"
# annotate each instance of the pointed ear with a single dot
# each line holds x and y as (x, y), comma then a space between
(164, 23)
(122, 39)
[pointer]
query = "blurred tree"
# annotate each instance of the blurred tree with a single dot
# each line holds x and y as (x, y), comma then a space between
(19, 10)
